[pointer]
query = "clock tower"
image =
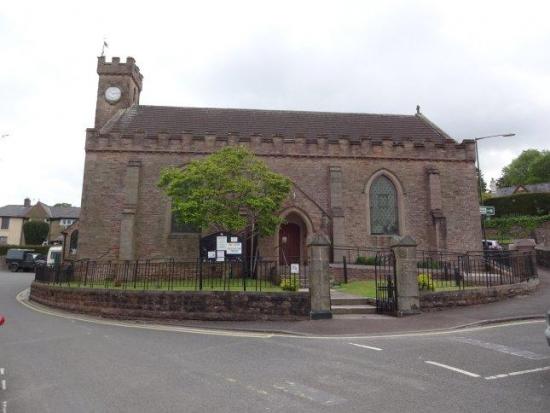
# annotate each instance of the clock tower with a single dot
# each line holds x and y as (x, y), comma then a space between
(118, 88)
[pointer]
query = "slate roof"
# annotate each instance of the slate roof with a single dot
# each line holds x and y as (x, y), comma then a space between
(267, 123)
(65, 212)
(13, 211)
(20, 211)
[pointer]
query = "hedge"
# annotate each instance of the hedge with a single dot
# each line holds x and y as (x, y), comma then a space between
(516, 226)
(37, 248)
(521, 204)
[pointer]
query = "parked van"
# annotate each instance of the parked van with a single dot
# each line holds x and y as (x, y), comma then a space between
(54, 256)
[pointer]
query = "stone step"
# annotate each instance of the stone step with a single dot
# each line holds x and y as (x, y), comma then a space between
(349, 301)
(353, 309)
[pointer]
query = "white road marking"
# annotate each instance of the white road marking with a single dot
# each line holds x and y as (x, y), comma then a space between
(517, 373)
(369, 347)
(2, 371)
(4, 407)
(467, 373)
(3, 384)
(502, 348)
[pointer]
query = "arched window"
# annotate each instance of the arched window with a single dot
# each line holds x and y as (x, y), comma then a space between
(383, 207)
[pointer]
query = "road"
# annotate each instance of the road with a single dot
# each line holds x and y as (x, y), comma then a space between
(55, 364)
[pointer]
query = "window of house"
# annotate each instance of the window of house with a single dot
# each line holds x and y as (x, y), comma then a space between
(66, 222)
(178, 227)
(3, 240)
(5, 223)
(383, 207)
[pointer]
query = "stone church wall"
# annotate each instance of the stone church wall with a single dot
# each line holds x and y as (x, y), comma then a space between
(107, 201)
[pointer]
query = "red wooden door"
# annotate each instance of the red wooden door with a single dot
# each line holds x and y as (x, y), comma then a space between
(289, 243)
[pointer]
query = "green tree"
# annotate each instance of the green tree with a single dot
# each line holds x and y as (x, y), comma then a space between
(36, 232)
(530, 167)
(230, 190)
(483, 183)
(62, 204)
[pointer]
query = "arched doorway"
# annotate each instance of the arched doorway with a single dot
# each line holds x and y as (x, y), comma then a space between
(292, 240)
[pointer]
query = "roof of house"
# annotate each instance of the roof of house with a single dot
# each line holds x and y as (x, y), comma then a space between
(267, 123)
(511, 190)
(56, 212)
(13, 211)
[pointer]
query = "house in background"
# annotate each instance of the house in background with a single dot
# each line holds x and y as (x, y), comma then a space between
(12, 218)
(521, 189)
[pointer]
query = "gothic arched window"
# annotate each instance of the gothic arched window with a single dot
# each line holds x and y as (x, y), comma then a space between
(383, 207)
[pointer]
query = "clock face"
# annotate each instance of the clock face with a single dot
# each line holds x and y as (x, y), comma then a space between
(112, 94)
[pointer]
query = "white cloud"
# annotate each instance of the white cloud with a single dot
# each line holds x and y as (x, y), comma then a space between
(477, 68)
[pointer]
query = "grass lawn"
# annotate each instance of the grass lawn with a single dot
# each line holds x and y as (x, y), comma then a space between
(216, 284)
(368, 288)
(360, 288)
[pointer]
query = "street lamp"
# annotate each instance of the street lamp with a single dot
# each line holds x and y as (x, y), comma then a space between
(502, 135)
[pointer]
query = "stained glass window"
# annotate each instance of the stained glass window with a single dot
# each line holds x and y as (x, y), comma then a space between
(383, 207)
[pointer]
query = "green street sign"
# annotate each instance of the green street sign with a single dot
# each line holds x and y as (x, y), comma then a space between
(487, 210)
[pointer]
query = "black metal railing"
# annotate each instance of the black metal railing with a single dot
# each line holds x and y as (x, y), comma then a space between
(447, 270)
(200, 275)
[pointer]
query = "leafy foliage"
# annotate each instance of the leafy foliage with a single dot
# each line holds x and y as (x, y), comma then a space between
(230, 190)
(482, 180)
(35, 232)
(289, 284)
(37, 248)
(516, 226)
(62, 204)
(425, 282)
(521, 204)
(360, 260)
(531, 167)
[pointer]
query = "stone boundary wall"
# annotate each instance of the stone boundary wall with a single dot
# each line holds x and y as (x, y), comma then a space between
(355, 272)
(175, 305)
(440, 300)
(3, 266)
(543, 256)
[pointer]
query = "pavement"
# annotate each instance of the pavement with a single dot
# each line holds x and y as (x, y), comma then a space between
(523, 307)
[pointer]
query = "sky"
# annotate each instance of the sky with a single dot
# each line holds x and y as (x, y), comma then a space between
(476, 68)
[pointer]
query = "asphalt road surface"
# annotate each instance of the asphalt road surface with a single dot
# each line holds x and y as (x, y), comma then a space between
(57, 364)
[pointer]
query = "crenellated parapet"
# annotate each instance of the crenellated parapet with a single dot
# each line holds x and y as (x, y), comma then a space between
(278, 145)
(116, 67)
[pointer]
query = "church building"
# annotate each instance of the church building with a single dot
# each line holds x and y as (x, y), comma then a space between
(358, 178)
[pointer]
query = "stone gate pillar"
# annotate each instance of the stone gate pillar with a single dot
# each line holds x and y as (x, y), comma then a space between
(408, 295)
(319, 277)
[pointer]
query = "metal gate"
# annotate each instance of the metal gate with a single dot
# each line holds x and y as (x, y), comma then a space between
(385, 283)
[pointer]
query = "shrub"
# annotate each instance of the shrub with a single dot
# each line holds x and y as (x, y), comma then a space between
(425, 282)
(35, 232)
(533, 203)
(360, 260)
(37, 248)
(289, 284)
(429, 263)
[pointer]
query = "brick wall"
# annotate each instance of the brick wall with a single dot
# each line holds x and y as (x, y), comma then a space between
(175, 305)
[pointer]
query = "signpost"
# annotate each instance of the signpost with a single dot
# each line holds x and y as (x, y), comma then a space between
(487, 210)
